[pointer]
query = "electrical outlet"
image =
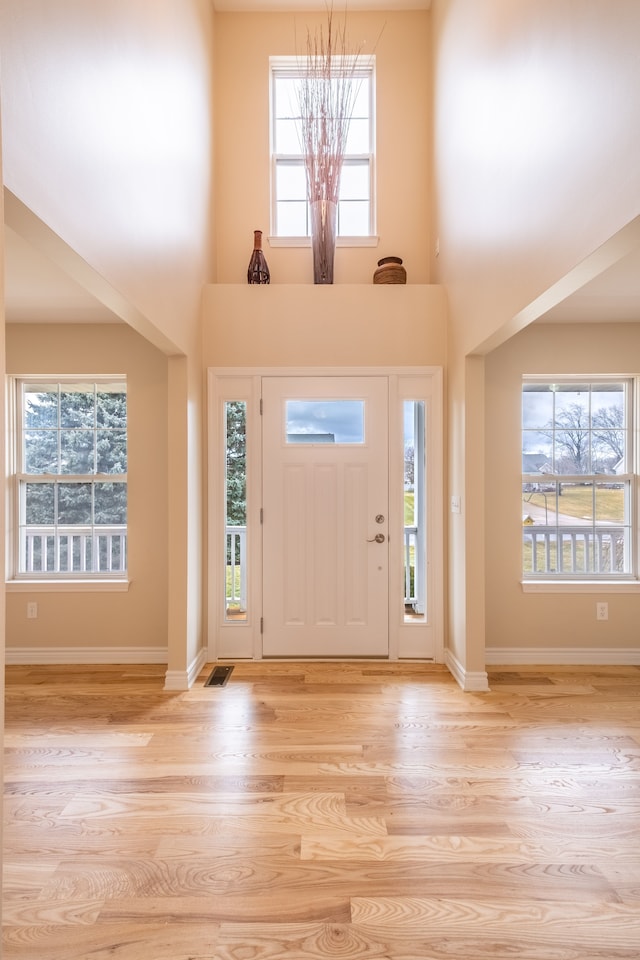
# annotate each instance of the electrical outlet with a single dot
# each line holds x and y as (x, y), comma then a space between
(602, 611)
(32, 611)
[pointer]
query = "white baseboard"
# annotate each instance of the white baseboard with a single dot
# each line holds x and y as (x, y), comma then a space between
(566, 656)
(471, 682)
(51, 655)
(180, 680)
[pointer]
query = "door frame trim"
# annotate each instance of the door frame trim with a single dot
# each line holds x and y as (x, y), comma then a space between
(249, 632)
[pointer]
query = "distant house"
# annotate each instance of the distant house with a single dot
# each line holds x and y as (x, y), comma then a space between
(311, 438)
(536, 463)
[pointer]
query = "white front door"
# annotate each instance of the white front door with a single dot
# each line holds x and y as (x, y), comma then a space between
(325, 516)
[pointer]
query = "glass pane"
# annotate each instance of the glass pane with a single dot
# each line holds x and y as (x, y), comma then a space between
(292, 219)
(235, 543)
(536, 452)
(287, 137)
(354, 181)
(286, 96)
(77, 406)
(41, 451)
(570, 397)
(361, 102)
(111, 449)
(39, 504)
(358, 136)
(572, 452)
(414, 553)
(291, 181)
(74, 503)
(112, 407)
(353, 218)
(609, 441)
(40, 406)
(610, 503)
(77, 448)
(537, 405)
(110, 503)
(325, 421)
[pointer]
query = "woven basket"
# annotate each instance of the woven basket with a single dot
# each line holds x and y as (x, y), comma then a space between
(390, 270)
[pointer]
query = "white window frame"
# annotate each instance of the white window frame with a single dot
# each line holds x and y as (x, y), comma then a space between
(294, 67)
(566, 581)
(22, 580)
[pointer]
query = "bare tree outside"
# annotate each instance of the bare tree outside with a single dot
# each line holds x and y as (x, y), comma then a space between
(584, 444)
(609, 437)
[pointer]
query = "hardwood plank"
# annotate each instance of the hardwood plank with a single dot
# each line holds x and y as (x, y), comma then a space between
(311, 810)
(611, 925)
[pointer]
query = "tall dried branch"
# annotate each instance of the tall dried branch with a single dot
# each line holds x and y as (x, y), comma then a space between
(327, 96)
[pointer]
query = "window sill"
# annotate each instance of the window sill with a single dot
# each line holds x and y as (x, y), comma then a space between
(340, 241)
(580, 586)
(67, 586)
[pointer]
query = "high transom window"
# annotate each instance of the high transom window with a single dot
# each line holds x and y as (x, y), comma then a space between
(577, 479)
(290, 210)
(70, 479)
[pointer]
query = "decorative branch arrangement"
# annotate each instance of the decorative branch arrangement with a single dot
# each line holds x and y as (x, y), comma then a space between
(328, 90)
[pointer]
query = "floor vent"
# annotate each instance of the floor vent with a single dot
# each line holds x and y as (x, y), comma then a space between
(218, 677)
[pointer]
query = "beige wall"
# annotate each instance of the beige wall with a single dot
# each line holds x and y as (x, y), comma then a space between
(108, 154)
(137, 618)
(2, 490)
(244, 43)
(516, 620)
(108, 139)
(536, 138)
(340, 325)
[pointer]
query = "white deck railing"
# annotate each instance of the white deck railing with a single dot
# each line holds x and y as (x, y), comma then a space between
(410, 554)
(236, 564)
(575, 549)
(236, 547)
(73, 549)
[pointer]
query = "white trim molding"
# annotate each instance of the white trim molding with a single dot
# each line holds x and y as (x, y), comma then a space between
(564, 656)
(78, 655)
(580, 586)
(469, 681)
(67, 586)
(181, 680)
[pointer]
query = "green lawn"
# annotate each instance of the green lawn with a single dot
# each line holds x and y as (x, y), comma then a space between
(408, 509)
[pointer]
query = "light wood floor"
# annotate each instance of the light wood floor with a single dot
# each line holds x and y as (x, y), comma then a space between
(305, 810)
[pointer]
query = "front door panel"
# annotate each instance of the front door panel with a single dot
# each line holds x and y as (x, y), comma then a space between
(325, 516)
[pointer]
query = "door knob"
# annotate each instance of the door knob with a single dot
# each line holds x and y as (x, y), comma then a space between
(379, 538)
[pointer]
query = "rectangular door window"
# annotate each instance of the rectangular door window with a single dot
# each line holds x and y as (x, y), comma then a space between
(324, 421)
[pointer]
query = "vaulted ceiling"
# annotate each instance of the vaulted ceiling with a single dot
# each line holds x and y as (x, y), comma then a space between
(38, 290)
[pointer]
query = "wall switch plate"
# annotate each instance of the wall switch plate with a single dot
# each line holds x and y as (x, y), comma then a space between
(32, 611)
